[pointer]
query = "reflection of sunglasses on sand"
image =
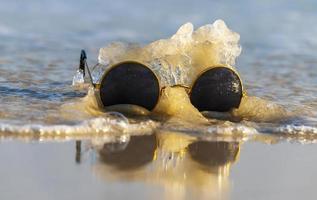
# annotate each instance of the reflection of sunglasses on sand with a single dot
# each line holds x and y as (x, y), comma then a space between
(141, 150)
(218, 88)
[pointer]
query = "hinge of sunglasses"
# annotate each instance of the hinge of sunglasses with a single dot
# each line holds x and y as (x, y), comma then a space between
(83, 66)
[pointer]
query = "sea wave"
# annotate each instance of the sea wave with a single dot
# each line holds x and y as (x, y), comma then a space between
(108, 128)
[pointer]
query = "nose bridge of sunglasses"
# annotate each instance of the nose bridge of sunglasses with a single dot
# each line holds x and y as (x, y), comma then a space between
(185, 87)
(129, 82)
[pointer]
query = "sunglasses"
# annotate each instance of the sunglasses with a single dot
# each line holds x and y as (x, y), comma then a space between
(218, 88)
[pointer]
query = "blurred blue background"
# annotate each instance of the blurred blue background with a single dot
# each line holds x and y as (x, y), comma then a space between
(59, 25)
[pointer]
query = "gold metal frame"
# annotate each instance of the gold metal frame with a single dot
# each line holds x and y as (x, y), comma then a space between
(188, 88)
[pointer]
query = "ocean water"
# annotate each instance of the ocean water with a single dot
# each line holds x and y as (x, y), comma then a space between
(55, 143)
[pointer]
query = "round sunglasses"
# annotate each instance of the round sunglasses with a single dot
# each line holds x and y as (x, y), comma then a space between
(218, 88)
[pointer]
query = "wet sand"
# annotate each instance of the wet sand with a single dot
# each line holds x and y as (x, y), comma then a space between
(49, 170)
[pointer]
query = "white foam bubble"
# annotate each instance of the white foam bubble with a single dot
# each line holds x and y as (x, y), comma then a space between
(113, 126)
(232, 129)
(296, 130)
(78, 78)
(178, 59)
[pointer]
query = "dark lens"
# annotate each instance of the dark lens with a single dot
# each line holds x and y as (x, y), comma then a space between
(137, 153)
(130, 83)
(218, 89)
(213, 154)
